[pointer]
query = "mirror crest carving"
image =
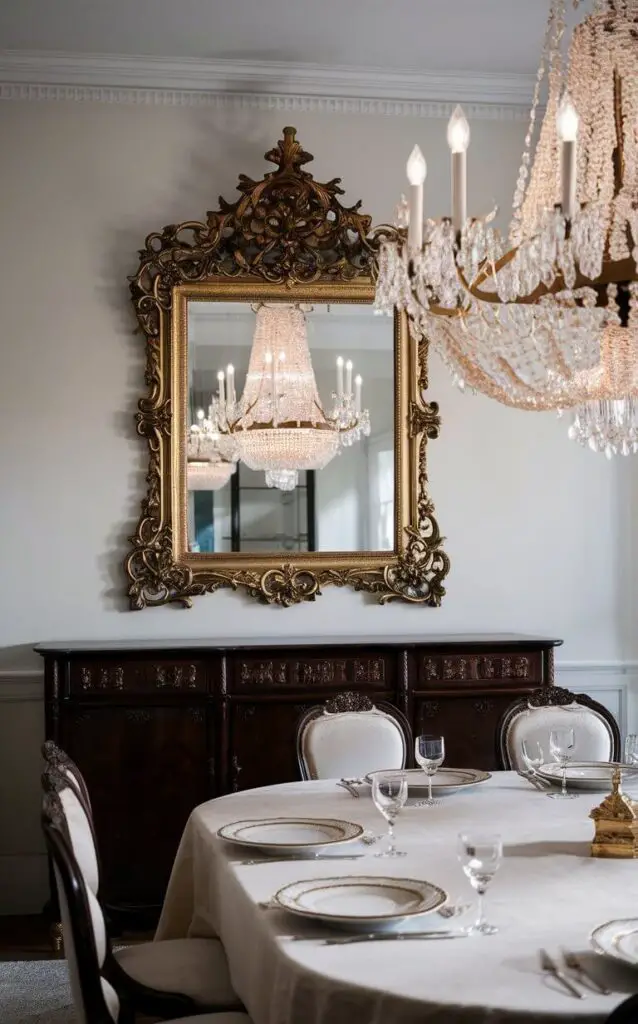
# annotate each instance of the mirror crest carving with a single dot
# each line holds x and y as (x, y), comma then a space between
(287, 239)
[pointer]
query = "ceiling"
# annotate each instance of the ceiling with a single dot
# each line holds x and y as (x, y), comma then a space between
(474, 36)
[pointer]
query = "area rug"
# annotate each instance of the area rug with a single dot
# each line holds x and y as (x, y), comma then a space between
(35, 992)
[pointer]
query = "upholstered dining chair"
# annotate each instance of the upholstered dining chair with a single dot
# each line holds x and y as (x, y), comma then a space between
(532, 718)
(171, 978)
(349, 736)
(95, 999)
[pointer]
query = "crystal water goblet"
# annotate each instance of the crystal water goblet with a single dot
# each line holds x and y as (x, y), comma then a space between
(561, 747)
(533, 756)
(631, 749)
(480, 855)
(429, 752)
(389, 793)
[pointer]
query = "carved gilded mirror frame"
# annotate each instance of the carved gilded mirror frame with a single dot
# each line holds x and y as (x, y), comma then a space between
(287, 236)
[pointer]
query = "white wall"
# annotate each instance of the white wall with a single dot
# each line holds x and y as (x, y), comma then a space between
(539, 531)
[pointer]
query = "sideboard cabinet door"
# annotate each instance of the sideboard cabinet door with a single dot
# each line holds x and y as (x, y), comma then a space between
(146, 768)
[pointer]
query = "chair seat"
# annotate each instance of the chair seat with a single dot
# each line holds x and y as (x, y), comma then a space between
(215, 1018)
(194, 967)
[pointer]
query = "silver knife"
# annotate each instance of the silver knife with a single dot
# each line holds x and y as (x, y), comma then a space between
(302, 860)
(550, 967)
(573, 963)
(388, 937)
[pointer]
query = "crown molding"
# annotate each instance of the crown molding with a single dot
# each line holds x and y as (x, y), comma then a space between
(266, 85)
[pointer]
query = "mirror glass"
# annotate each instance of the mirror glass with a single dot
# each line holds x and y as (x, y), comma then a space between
(306, 357)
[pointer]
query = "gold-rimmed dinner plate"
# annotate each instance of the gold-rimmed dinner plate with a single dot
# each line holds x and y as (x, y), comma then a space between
(290, 835)
(594, 776)
(617, 939)
(370, 902)
(445, 780)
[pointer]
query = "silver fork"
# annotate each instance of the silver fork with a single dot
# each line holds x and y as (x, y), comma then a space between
(573, 963)
(349, 787)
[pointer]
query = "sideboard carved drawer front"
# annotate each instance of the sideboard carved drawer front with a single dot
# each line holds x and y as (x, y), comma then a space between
(101, 678)
(338, 671)
(468, 722)
(438, 671)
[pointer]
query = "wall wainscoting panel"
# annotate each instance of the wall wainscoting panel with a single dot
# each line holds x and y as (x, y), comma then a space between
(23, 868)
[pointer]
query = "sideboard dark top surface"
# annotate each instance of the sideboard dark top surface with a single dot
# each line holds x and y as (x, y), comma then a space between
(257, 643)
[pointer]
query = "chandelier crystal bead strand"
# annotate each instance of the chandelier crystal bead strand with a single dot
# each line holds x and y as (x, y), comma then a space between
(546, 318)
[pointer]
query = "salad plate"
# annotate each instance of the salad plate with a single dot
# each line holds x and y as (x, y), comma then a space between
(290, 835)
(361, 902)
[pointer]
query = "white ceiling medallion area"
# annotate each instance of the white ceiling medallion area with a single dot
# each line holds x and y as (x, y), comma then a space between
(269, 85)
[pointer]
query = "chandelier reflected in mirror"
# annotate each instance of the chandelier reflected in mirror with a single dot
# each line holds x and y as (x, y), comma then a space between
(279, 425)
(546, 318)
(211, 458)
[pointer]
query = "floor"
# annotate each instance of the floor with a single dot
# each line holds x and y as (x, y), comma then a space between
(25, 938)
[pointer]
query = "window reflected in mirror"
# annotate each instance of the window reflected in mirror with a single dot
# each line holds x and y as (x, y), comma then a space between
(291, 428)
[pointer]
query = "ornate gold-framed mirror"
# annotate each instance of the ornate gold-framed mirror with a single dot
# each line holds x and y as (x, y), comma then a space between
(268, 473)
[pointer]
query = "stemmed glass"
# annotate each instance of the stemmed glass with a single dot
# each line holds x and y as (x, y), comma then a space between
(631, 749)
(389, 793)
(532, 755)
(429, 752)
(561, 747)
(480, 855)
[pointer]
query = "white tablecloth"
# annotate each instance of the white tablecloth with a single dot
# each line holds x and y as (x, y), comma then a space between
(548, 893)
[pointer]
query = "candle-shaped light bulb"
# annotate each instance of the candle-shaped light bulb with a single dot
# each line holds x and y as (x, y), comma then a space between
(416, 170)
(339, 376)
(200, 414)
(458, 137)
(349, 377)
(567, 120)
(230, 374)
(357, 393)
(567, 127)
(222, 389)
(458, 131)
(416, 167)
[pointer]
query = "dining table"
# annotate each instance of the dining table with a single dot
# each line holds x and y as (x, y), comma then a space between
(548, 894)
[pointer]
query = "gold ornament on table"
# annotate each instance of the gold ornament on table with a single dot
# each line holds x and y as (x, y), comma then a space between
(616, 823)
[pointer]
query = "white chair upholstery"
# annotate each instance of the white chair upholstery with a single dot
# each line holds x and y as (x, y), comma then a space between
(351, 744)
(196, 968)
(594, 739)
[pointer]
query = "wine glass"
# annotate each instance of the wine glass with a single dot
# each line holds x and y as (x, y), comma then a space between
(561, 747)
(480, 855)
(429, 752)
(389, 793)
(631, 749)
(533, 756)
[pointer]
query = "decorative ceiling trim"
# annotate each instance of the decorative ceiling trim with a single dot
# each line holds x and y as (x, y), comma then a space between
(264, 86)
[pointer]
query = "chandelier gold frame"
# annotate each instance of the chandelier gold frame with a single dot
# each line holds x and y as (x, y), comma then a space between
(287, 238)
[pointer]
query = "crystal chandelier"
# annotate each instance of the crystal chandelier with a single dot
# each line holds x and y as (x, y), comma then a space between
(279, 424)
(548, 317)
(211, 458)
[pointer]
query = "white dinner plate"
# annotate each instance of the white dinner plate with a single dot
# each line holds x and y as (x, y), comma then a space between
(588, 775)
(617, 939)
(368, 902)
(446, 780)
(290, 835)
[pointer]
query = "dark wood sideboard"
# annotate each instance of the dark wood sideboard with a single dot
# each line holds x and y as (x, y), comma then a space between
(158, 728)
